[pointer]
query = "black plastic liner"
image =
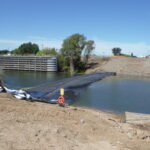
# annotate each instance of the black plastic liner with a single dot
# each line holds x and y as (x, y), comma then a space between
(49, 92)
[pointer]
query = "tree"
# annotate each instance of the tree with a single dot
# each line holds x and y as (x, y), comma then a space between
(72, 48)
(15, 51)
(27, 48)
(116, 51)
(88, 50)
(3, 52)
(47, 51)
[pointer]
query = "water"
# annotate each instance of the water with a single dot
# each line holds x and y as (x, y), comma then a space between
(118, 95)
(115, 94)
(27, 79)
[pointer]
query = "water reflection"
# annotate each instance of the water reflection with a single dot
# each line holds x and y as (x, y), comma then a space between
(20, 79)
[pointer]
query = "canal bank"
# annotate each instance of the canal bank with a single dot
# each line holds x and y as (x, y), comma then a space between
(129, 66)
(115, 94)
(42, 126)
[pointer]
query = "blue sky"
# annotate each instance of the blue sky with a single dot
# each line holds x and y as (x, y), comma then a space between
(110, 23)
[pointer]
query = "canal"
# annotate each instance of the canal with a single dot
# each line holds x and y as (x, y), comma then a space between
(114, 94)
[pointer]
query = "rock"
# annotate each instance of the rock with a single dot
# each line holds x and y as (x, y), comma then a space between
(82, 121)
(129, 135)
(57, 130)
(147, 137)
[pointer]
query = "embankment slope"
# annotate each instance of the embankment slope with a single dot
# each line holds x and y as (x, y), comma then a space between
(123, 65)
(26, 125)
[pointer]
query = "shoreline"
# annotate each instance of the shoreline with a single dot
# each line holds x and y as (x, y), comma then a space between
(119, 76)
(35, 125)
(101, 110)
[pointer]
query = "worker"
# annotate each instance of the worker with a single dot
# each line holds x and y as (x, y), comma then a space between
(2, 87)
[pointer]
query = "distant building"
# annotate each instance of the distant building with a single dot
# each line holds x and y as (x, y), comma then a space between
(28, 63)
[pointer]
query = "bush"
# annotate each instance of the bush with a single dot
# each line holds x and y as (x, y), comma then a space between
(47, 52)
(80, 66)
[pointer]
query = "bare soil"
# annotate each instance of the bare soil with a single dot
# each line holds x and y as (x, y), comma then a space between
(120, 65)
(40, 126)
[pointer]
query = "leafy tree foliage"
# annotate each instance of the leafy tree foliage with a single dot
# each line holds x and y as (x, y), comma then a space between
(116, 51)
(26, 48)
(3, 52)
(47, 51)
(73, 47)
(73, 56)
(15, 51)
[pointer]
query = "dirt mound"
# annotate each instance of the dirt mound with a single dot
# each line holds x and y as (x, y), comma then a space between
(124, 66)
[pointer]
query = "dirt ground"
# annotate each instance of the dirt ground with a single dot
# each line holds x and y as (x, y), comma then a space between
(40, 126)
(120, 65)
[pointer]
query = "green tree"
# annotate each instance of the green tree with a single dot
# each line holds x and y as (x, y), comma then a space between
(15, 51)
(3, 52)
(116, 51)
(62, 63)
(26, 48)
(47, 51)
(72, 48)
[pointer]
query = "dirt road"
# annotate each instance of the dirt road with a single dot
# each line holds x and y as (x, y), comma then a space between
(39, 126)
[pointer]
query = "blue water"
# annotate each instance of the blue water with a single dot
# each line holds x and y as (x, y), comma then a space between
(115, 94)
(118, 95)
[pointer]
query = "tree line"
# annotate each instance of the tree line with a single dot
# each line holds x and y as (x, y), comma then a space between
(73, 56)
